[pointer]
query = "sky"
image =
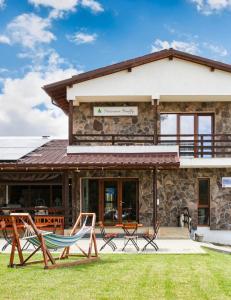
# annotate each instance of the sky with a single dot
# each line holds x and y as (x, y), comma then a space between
(43, 41)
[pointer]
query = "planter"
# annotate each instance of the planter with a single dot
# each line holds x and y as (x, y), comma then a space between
(199, 237)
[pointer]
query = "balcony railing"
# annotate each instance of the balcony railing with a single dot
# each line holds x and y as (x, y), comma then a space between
(190, 145)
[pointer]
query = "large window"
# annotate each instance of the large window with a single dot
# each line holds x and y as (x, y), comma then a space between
(203, 201)
(35, 195)
(192, 131)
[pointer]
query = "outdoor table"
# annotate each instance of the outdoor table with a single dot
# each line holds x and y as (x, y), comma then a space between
(130, 230)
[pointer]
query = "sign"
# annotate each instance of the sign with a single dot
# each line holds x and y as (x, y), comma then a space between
(115, 111)
(226, 182)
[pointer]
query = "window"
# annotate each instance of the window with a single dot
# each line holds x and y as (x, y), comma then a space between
(203, 201)
(192, 131)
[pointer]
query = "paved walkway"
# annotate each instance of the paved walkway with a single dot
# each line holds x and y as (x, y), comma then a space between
(165, 247)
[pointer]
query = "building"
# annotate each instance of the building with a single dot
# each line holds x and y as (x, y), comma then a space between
(148, 137)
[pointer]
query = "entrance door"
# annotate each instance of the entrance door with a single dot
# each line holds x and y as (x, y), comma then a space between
(110, 203)
(113, 200)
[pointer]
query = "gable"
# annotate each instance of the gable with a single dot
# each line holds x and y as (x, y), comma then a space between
(164, 77)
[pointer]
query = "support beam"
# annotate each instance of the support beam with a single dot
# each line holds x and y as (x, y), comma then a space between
(66, 198)
(70, 123)
(154, 194)
(155, 117)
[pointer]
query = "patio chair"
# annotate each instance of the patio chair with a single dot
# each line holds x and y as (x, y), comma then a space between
(7, 237)
(150, 238)
(130, 235)
(107, 237)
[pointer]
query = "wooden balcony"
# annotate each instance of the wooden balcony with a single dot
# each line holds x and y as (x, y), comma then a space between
(190, 145)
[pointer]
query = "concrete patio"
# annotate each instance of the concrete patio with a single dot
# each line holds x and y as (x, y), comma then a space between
(168, 246)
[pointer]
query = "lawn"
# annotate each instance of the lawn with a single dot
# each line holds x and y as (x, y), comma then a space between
(119, 276)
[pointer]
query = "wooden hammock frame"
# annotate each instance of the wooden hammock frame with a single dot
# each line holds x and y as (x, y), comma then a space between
(49, 261)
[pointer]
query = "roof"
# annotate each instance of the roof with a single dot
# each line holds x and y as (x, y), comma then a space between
(53, 155)
(13, 148)
(57, 90)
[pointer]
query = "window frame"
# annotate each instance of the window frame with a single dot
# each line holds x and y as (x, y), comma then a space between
(203, 205)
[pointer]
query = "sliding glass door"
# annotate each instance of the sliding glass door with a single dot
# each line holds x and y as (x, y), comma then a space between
(192, 131)
(113, 200)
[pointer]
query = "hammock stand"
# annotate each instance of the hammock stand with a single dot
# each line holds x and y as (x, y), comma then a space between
(42, 241)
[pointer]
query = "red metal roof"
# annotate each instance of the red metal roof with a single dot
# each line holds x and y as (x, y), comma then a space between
(54, 155)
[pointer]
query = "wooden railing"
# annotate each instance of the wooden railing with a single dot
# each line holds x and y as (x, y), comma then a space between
(190, 145)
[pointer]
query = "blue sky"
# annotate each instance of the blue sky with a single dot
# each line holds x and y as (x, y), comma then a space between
(47, 40)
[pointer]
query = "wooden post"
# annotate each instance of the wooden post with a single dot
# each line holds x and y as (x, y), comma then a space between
(66, 198)
(70, 123)
(155, 117)
(75, 196)
(154, 194)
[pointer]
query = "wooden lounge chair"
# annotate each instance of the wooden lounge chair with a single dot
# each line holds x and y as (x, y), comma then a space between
(46, 241)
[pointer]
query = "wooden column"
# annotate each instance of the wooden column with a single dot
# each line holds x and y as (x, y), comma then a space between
(66, 198)
(155, 118)
(70, 123)
(75, 196)
(154, 194)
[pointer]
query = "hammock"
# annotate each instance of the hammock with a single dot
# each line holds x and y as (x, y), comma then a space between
(55, 241)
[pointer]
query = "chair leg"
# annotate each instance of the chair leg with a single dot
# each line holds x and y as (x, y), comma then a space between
(135, 244)
(5, 246)
(109, 243)
(125, 244)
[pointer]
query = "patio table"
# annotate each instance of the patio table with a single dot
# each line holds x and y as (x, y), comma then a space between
(130, 230)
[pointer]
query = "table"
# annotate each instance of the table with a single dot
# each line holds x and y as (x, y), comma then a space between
(130, 230)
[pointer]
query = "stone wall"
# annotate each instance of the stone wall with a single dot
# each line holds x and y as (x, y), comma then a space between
(85, 122)
(179, 188)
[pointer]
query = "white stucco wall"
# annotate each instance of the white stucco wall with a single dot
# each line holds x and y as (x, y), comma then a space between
(164, 77)
(215, 236)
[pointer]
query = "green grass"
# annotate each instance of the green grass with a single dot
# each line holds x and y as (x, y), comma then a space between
(123, 277)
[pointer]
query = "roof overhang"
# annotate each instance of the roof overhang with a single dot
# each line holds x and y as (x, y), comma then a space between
(58, 90)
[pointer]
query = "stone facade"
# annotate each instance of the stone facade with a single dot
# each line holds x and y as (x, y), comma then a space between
(179, 188)
(176, 188)
(85, 122)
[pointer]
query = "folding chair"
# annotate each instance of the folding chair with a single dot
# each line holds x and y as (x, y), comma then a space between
(130, 235)
(107, 238)
(6, 236)
(150, 238)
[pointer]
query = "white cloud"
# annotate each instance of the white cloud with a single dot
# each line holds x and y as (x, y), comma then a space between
(82, 38)
(208, 7)
(2, 4)
(216, 49)
(29, 30)
(60, 6)
(95, 6)
(190, 47)
(4, 39)
(21, 98)
(56, 4)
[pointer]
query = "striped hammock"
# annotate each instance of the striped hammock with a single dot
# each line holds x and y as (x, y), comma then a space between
(55, 241)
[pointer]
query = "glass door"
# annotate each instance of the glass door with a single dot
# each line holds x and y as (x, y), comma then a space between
(129, 200)
(186, 126)
(110, 203)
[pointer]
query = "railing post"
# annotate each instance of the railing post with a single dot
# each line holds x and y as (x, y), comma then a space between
(202, 145)
(113, 139)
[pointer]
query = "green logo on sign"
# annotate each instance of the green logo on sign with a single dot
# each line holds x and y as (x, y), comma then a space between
(99, 111)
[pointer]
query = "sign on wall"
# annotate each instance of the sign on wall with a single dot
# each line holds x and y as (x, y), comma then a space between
(226, 182)
(115, 111)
